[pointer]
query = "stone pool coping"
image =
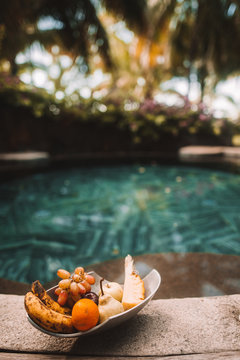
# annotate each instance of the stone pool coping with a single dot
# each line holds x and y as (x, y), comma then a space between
(201, 152)
(229, 154)
(15, 165)
(24, 163)
(164, 327)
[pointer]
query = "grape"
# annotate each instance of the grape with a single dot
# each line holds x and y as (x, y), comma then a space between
(76, 297)
(74, 289)
(86, 285)
(64, 284)
(63, 274)
(70, 301)
(79, 270)
(57, 291)
(92, 296)
(90, 279)
(63, 297)
(74, 286)
(82, 289)
(76, 278)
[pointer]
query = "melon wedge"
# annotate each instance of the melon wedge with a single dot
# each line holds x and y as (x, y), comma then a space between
(133, 288)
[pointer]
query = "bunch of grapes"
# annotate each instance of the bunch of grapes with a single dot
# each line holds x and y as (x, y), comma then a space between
(73, 286)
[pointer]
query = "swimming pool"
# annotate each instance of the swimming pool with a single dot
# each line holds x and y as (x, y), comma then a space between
(86, 215)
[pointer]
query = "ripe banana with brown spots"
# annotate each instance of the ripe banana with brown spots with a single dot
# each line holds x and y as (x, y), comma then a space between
(45, 317)
(41, 293)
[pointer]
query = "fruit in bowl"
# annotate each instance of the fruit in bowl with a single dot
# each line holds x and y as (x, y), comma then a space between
(114, 289)
(87, 303)
(108, 304)
(133, 288)
(85, 314)
(72, 287)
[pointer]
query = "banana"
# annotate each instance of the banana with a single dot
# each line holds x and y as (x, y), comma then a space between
(45, 317)
(40, 292)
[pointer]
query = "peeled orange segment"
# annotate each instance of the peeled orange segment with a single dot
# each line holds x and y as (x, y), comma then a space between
(133, 289)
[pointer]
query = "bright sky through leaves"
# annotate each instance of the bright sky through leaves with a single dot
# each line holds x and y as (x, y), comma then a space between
(47, 70)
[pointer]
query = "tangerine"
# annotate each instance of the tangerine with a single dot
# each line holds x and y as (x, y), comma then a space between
(85, 314)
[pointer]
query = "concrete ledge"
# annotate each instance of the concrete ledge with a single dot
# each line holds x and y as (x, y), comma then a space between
(24, 156)
(199, 151)
(205, 151)
(164, 327)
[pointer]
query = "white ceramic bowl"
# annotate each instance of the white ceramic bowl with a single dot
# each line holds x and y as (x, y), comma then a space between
(151, 283)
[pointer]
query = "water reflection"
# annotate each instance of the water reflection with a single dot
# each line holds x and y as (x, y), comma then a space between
(89, 215)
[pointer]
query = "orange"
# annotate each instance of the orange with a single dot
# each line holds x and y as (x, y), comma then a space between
(85, 314)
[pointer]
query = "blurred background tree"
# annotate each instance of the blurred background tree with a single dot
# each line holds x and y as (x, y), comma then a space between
(191, 38)
(122, 53)
(204, 40)
(73, 26)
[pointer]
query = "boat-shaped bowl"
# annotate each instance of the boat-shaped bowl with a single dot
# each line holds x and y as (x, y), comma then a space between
(151, 283)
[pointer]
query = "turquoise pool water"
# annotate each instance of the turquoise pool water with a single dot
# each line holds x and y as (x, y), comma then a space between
(82, 216)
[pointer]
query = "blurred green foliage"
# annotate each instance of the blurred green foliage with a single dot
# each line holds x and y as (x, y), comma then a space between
(172, 38)
(40, 122)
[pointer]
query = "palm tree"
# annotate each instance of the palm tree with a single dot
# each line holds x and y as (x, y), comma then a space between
(78, 25)
(193, 36)
(190, 37)
(204, 38)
